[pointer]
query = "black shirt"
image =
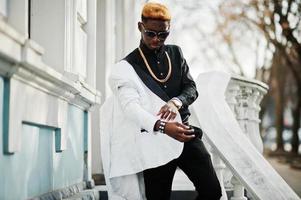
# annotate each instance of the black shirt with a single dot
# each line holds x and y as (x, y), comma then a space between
(180, 84)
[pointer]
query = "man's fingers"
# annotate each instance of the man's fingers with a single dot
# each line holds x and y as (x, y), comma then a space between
(179, 131)
(165, 114)
(179, 138)
(183, 126)
(169, 117)
(184, 138)
(188, 131)
(172, 116)
(160, 111)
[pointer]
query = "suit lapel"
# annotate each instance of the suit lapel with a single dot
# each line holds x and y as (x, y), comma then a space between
(150, 83)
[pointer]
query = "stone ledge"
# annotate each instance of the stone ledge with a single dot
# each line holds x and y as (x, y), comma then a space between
(85, 195)
(78, 191)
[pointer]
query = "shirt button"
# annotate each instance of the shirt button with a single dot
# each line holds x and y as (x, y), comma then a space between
(158, 62)
(165, 86)
(161, 74)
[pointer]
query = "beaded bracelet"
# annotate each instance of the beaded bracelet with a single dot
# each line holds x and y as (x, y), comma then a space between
(162, 126)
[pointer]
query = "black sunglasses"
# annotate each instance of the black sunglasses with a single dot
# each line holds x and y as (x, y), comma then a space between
(162, 35)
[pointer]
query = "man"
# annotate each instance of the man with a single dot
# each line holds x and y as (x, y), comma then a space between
(152, 87)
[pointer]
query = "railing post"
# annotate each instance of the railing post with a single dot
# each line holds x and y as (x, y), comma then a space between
(231, 182)
(247, 110)
(238, 193)
(219, 167)
(243, 97)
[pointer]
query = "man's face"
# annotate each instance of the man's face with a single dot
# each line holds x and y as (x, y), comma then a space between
(154, 32)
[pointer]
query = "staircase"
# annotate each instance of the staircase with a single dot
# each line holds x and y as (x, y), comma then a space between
(182, 188)
(175, 195)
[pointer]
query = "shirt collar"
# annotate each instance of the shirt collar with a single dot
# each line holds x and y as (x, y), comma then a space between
(158, 52)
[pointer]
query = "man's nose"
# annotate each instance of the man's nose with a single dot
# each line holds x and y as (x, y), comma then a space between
(156, 38)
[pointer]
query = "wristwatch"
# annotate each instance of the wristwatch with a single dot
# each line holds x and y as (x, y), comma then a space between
(177, 102)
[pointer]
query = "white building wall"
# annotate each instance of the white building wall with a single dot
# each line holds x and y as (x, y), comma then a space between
(127, 34)
(37, 41)
(105, 57)
(91, 43)
(117, 35)
(3, 8)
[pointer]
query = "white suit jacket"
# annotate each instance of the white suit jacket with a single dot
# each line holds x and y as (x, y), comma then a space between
(126, 150)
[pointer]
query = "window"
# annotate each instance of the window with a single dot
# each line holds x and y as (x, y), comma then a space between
(47, 28)
(65, 29)
(80, 50)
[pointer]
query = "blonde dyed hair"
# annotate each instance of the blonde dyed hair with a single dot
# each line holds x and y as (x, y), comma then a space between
(156, 11)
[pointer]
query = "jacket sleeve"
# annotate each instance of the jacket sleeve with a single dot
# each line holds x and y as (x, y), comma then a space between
(129, 99)
(189, 91)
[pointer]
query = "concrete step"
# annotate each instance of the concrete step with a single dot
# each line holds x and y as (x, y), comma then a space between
(175, 195)
(182, 188)
(78, 191)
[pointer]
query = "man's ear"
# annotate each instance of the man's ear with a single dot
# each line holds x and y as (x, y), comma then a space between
(168, 27)
(139, 26)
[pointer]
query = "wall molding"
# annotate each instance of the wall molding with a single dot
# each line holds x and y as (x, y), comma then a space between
(34, 92)
(23, 60)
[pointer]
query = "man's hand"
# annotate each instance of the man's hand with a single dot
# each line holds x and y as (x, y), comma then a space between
(179, 131)
(168, 112)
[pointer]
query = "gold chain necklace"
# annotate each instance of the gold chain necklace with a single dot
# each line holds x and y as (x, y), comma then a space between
(150, 70)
